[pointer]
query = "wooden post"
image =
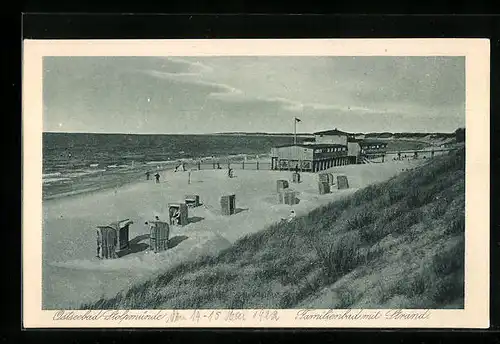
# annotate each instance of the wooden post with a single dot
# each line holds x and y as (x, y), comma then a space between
(257, 164)
(199, 166)
(243, 165)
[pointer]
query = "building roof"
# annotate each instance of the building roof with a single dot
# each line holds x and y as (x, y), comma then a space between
(367, 141)
(331, 132)
(312, 145)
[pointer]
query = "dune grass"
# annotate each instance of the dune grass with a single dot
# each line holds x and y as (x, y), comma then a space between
(395, 244)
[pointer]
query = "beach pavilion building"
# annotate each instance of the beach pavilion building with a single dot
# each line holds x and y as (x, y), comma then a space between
(328, 149)
(366, 150)
(308, 157)
(359, 148)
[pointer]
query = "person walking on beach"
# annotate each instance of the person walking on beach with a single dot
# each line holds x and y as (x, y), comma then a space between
(157, 176)
(147, 175)
(296, 168)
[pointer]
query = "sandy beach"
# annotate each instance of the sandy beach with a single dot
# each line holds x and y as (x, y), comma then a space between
(72, 274)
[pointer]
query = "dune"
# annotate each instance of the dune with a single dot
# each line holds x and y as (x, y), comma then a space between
(72, 274)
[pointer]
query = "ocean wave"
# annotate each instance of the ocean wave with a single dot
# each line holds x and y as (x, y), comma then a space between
(53, 180)
(48, 175)
(159, 162)
(77, 174)
(48, 178)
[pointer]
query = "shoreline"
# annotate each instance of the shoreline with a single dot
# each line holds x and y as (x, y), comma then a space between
(133, 175)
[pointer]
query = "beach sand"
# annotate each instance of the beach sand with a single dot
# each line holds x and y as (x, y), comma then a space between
(72, 274)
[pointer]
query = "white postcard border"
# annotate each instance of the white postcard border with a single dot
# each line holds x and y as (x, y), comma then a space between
(476, 311)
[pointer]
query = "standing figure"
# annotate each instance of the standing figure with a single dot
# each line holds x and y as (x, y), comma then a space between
(230, 173)
(296, 168)
(148, 174)
(157, 176)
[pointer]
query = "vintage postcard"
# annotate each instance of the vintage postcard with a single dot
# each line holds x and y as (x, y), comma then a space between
(256, 183)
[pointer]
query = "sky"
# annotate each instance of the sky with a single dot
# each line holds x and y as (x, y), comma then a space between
(197, 95)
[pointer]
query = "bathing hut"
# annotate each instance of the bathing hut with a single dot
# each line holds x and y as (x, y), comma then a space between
(228, 204)
(296, 177)
(192, 200)
(281, 184)
(342, 182)
(178, 214)
(112, 238)
(287, 197)
(158, 236)
(323, 178)
(331, 178)
(324, 187)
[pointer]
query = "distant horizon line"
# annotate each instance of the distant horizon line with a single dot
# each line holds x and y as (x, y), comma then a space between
(249, 133)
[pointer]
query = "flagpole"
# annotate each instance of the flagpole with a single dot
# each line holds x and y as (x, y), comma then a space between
(294, 131)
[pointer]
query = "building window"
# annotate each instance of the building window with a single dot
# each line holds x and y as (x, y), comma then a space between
(283, 163)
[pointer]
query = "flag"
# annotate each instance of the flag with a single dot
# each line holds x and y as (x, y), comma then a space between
(297, 119)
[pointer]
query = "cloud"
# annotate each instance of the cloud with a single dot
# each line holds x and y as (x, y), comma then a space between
(236, 96)
(297, 106)
(199, 67)
(220, 90)
(345, 84)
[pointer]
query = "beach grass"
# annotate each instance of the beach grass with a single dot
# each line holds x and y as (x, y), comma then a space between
(396, 244)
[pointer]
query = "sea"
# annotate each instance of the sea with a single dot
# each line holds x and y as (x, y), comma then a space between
(74, 163)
